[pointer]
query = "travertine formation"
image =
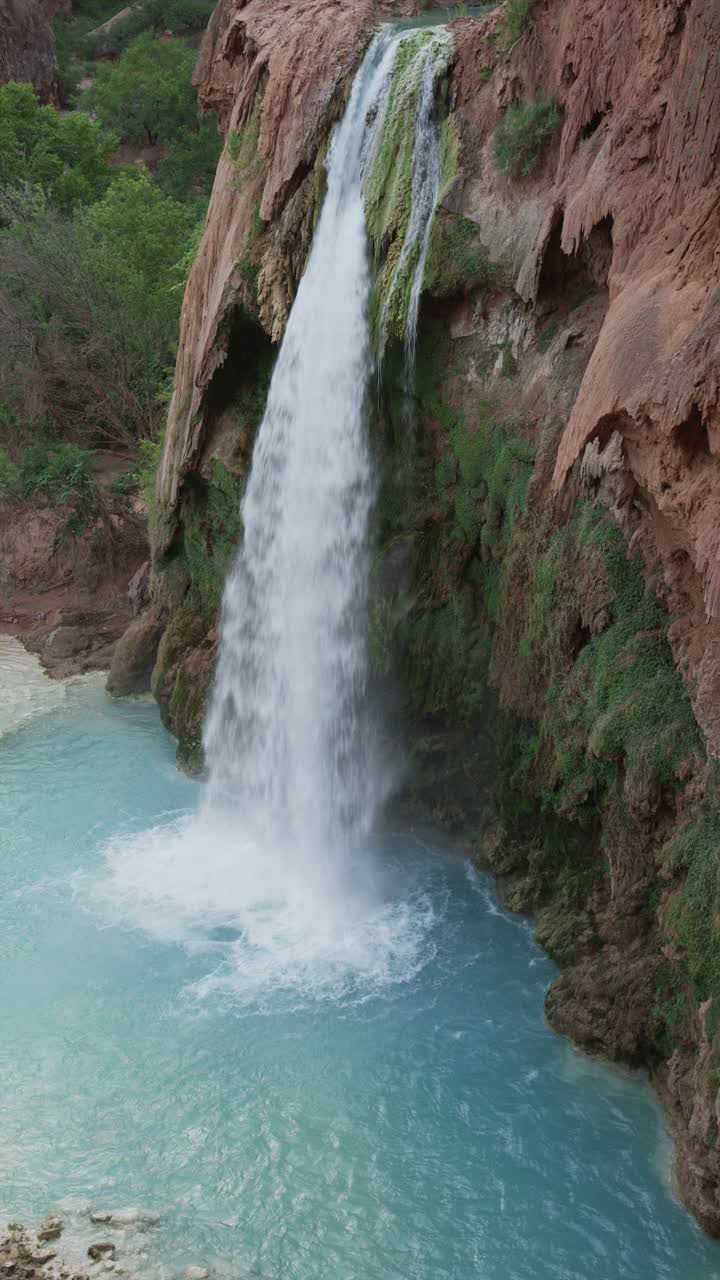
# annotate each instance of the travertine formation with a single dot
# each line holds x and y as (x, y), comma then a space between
(638, 161)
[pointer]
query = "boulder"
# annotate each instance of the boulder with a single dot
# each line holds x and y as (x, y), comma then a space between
(133, 662)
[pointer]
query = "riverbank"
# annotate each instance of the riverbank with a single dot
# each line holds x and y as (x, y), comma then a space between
(84, 1243)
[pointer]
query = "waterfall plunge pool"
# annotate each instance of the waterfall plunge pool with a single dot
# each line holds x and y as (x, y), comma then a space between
(410, 1116)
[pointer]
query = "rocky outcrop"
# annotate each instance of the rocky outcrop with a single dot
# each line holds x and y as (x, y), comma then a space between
(135, 655)
(644, 178)
(584, 347)
(27, 47)
(66, 597)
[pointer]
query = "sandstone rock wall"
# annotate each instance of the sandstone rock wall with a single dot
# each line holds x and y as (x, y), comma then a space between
(27, 48)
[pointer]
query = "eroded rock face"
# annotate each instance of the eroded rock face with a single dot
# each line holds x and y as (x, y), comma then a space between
(27, 47)
(635, 170)
(67, 597)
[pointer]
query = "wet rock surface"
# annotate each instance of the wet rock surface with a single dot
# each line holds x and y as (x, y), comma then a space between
(84, 1242)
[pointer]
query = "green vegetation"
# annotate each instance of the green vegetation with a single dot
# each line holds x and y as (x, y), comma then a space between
(517, 13)
(557, 617)
(618, 703)
(546, 337)
(61, 475)
(458, 262)
(94, 254)
(211, 522)
(90, 309)
(387, 202)
(449, 153)
(77, 39)
(158, 16)
(474, 485)
(65, 157)
(522, 133)
(148, 94)
(691, 919)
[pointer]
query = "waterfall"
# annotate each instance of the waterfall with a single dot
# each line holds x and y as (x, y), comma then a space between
(265, 873)
(287, 740)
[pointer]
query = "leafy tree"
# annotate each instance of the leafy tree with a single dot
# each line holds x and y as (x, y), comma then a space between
(144, 227)
(89, 309)
(147, 96)
(66, 156)
(188, 170)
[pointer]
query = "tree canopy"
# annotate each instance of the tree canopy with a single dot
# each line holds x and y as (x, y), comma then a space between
(148, 94)
(66, 156)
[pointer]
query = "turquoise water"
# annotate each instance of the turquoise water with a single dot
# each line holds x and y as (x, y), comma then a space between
(411, 1116)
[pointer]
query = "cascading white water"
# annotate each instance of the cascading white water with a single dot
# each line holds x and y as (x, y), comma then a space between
(263, 873)
(287, 741)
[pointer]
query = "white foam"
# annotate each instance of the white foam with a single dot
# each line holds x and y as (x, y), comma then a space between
(269, 919)
(26, 691)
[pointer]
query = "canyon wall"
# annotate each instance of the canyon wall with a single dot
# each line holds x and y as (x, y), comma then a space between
(27, 47)
(546, 597)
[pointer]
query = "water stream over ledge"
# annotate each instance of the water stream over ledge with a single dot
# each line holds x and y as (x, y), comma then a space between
(418, 1121)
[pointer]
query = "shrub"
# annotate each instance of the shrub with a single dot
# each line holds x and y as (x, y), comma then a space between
(211, 519)
(521, 135)
(516, 16)
(189, 168)
(458, 261)
(65, 156)
(61, 474)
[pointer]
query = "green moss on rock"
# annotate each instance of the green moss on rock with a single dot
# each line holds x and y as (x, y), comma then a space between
(181, 682)
(211, 531)
(458, 261)
(522, 134)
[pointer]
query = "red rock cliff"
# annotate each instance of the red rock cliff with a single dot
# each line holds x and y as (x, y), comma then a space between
(27, 47)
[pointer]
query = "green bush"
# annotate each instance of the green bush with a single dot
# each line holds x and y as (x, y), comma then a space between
(516, 16)
(97, 302)
(189, 167)
(10, 482)
(211, 522)
(521, 135)
(458, 261)
(694, 852)
(64, 156)
(614, 702)
(61, 475)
